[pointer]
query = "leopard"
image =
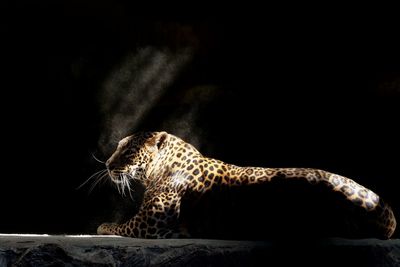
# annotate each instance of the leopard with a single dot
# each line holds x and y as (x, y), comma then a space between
(169, 168)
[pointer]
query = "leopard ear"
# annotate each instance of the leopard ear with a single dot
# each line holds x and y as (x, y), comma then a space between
(157, 141)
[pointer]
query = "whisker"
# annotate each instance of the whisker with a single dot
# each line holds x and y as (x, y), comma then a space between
(98, 173)
(129, 188)
(104, 179)
(103, 162)
(118, 187)
(127, 185)
(124, 185)
(93, 186)
(123, 181)
(100, 179)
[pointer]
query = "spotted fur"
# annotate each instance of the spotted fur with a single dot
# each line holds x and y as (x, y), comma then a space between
(168, 167)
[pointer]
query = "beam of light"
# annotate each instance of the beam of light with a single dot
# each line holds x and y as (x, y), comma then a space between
(134, 87)
(129, 93)
(182, 122)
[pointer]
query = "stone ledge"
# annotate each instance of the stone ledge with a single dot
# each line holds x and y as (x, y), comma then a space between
(43, 250)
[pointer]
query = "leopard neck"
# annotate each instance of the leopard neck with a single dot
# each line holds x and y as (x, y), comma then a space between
(174, 156)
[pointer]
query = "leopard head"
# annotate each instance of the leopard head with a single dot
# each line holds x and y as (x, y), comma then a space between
(134, 158)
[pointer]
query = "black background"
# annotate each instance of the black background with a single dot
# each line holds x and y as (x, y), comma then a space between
(283, 86)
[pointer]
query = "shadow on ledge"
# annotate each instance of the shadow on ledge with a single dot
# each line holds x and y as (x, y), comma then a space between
(38, 250)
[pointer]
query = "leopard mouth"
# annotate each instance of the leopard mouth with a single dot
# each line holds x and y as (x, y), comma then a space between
(123, 178)
(117, 176)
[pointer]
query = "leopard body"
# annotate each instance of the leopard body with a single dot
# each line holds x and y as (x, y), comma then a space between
(169, 168)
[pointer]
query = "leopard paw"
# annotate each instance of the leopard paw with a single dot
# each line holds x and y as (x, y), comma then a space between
(107, 229)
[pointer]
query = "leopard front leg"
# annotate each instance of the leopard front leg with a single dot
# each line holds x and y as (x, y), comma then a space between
(157, 218)
(108, 229)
